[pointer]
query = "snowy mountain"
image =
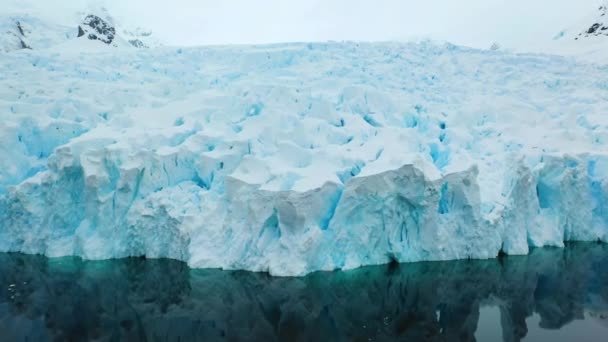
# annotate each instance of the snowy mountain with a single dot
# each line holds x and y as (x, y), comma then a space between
(573, 36)
(95, 28)
(599, 26)
(586, 40)
(22, 31)
(25, 32)
(141, 38)
(138, 37)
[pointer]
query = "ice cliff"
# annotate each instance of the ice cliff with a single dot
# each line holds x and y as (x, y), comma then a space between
(300, 157)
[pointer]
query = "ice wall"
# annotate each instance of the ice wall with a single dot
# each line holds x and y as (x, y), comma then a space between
(300, 157)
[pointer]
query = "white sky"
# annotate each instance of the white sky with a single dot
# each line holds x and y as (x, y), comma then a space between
(477, 23)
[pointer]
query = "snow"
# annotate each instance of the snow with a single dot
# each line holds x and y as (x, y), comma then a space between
(34, 32)
(293, 158)
(586, 39)
(33, 26)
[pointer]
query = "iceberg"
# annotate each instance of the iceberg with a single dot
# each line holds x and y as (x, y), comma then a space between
(294, 158)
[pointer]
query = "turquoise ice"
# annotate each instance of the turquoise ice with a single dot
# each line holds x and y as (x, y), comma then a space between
(294, 158)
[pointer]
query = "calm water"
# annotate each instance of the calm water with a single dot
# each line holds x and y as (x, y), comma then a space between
(550, 295)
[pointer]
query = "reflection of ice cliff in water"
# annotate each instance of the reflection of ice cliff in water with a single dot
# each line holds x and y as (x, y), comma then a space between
(133, 299)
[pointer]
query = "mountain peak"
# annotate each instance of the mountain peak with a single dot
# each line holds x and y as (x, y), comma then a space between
(95, 28)
(599, 26)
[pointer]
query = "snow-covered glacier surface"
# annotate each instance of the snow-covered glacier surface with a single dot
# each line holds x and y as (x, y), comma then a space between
(300, 157)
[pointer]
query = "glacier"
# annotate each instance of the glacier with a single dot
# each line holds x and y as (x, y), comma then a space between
(294, 158)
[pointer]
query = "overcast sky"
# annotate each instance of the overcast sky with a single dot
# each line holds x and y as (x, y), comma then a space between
(477, 23)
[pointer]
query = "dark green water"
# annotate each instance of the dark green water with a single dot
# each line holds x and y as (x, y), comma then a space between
(550, 295)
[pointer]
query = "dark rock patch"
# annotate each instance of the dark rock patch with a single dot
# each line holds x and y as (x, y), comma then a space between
(95, 28)
(593, 28)
(138, 43)
(20, 29)
(598, 28)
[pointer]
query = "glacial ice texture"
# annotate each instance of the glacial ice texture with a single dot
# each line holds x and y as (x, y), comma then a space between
(294, 158)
